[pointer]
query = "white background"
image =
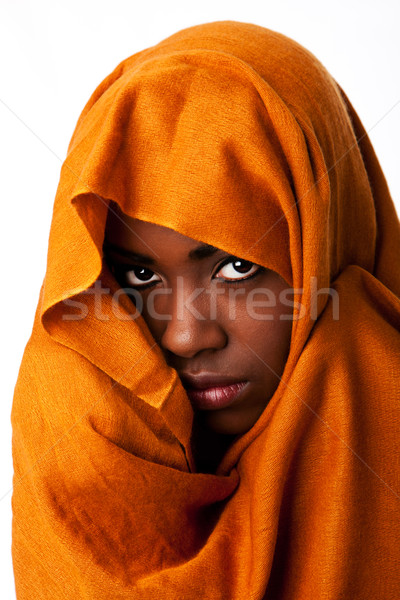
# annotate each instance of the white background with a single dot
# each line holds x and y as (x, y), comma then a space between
(54, 54)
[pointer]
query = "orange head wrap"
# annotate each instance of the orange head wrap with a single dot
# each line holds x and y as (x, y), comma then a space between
(238, 122)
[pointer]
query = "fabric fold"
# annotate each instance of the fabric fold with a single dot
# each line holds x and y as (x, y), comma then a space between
(235, 136)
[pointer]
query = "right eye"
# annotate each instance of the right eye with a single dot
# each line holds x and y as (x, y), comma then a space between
(135, 276)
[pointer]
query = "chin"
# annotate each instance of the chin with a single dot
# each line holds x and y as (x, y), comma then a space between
(228, 422)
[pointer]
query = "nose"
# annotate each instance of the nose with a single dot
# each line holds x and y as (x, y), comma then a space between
(189, 337)
(190, 327)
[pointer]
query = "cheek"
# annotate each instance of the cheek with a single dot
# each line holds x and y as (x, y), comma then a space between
(265, 329)
(259, 324)
(155, 310)
(268, 306)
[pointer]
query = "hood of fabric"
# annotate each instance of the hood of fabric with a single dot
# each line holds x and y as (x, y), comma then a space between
(236, 136)
(233, 135)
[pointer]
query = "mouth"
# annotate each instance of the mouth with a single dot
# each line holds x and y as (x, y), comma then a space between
(212, 392)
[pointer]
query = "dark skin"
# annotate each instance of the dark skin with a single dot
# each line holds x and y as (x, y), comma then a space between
(216, 342)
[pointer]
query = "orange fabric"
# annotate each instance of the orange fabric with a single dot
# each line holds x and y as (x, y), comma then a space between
(235, 121)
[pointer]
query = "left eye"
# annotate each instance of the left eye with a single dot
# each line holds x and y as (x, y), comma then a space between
(238, 269)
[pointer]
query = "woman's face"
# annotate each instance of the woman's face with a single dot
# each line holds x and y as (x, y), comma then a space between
(213, 315)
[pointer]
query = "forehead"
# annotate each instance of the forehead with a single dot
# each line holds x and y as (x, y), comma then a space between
(151, 239)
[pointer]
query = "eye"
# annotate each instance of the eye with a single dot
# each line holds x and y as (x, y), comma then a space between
(134, 276)
(237, 269)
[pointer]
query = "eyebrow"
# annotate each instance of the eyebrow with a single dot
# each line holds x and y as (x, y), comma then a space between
(199, 253)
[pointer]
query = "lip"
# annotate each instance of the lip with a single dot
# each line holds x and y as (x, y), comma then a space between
(204, 380)
(208, 391)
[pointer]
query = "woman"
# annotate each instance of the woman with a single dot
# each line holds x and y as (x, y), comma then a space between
(208, 404)
(209, 351)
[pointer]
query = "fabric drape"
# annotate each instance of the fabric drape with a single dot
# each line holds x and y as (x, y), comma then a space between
(236, 136)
